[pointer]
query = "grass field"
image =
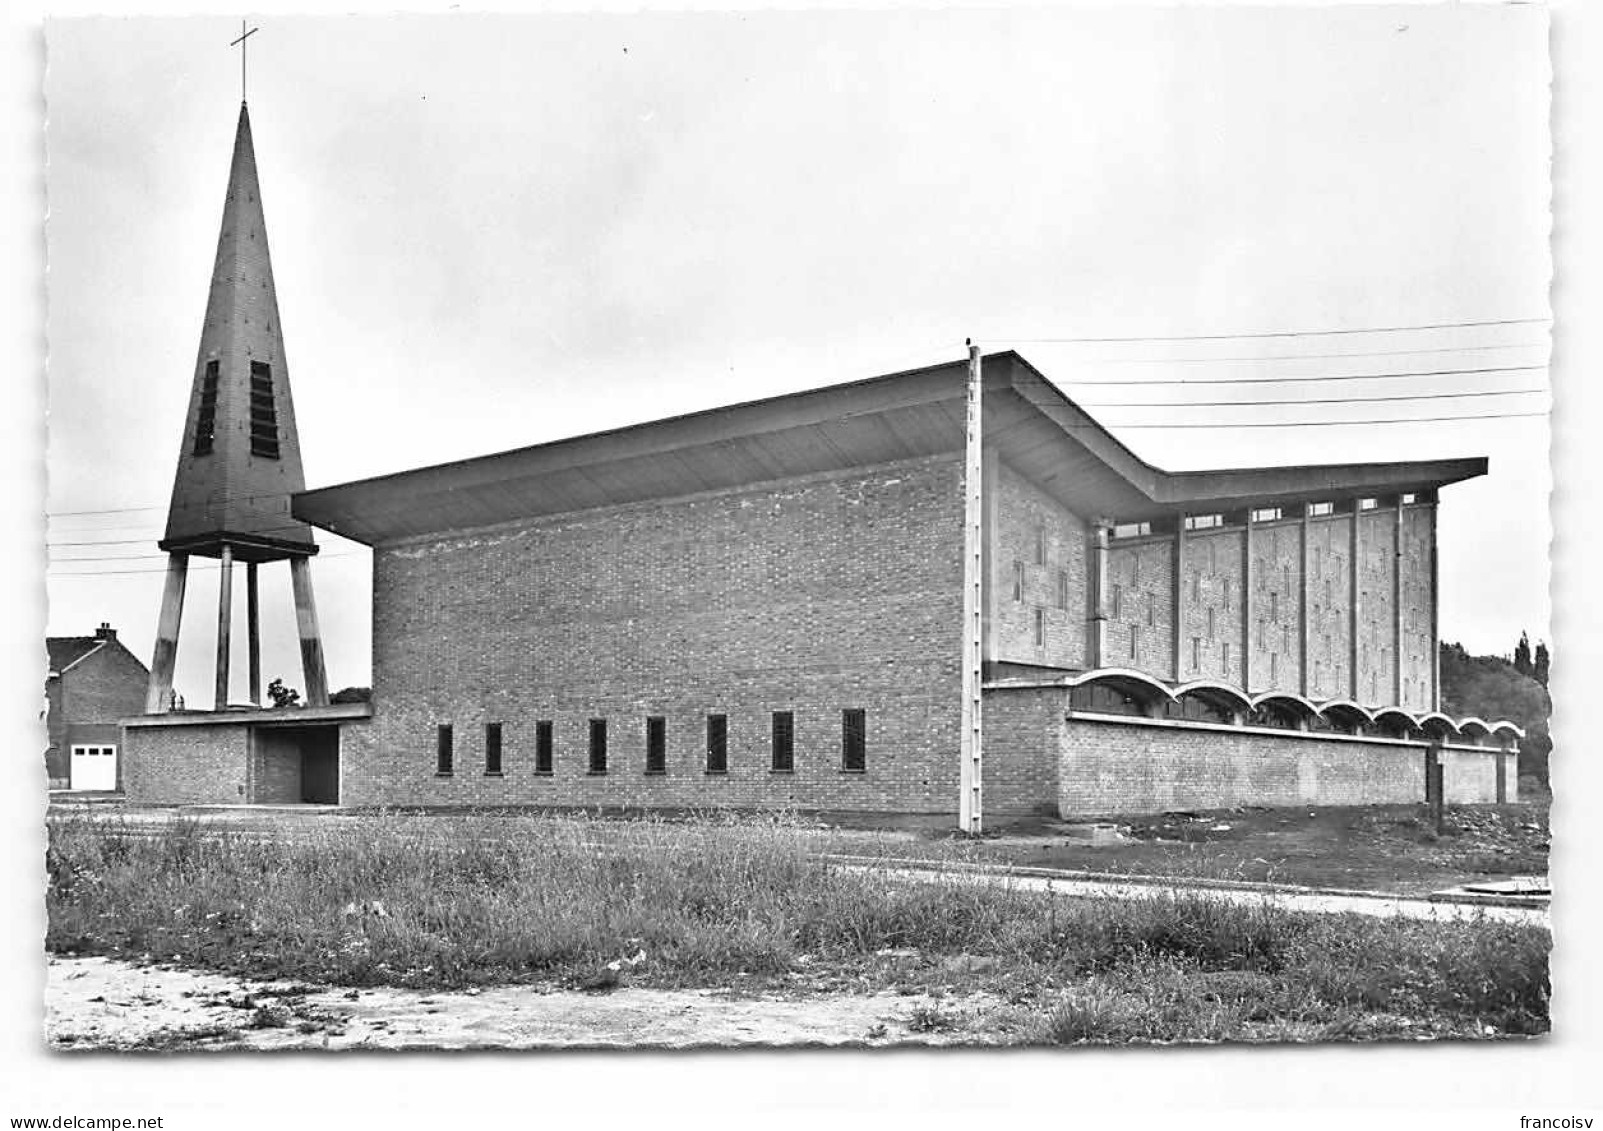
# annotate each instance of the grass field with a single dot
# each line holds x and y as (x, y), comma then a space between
(747, 903)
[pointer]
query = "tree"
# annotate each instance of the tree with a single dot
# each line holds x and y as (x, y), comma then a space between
(1539, 666)
(352, 695)
(283, 696)
(1522, 656)
(1491, 688)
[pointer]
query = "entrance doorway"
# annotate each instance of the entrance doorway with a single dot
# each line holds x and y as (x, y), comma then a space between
(295, 765)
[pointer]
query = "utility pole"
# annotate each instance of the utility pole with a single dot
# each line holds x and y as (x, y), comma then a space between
(970, 777)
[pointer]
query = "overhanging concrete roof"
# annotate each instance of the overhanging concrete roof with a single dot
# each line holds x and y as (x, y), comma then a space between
(1035, 428)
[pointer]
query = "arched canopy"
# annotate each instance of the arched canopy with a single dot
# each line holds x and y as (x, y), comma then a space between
(1438, 725)
(1503, 728)
(1221, 697)
(1395, 719)
(1474, 727)
(1286, 704)
(1139, 686)
(1346, 713)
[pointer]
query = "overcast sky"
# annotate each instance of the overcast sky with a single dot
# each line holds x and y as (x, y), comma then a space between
(494, 231)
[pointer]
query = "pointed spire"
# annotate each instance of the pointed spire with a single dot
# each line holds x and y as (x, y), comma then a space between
(240, 460)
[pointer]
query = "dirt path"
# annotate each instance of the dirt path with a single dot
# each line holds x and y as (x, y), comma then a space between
(100, 1003)
(1318, 902)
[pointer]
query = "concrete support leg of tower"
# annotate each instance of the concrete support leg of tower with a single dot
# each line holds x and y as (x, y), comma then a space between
(253, 633)
(159, 690)
(225, 602)
(300, 576)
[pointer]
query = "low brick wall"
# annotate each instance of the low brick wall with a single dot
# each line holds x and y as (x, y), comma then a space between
(1113, 764)
(1039, 756)
(186, 765)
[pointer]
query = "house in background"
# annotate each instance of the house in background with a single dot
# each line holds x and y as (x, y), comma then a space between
(94, 681)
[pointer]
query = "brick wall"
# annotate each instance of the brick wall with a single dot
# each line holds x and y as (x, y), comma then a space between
(1211, 576)
(194, 764)
(1330, 607)
(1022, 727)
(275, 763)
(1377, 625)
(1140, 605)
(1136, 766)
(808, 595)
(1419, 645)
(1025, 513)
(1275, 632)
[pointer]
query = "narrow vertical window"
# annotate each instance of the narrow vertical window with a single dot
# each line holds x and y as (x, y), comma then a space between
(1319, 561)
(656, 744)
(1135, 642)
(543, 746)
(1196, 587)
(598, 746)
(263, 412)
(784, 742)
(1260, 633)
(206, 418)
(1196, 653)
(1274, 606)
(1135, 567)
(1224, 658)
(1285, 579)
(717, 744)
(1063, 588)
(1018, 581)
(1040, 546)
(1210, 623)
(1151, 611)
(443, 753)
(853, 740)
(1274, 668)
(1040, 628)
(1227, 594)
(492, 749)
(1118, 601)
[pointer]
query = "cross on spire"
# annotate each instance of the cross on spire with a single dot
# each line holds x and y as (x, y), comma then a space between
(240, 43)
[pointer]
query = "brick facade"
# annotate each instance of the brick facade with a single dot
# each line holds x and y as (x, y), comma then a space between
(1038, 568)
(187, 765)
(810, 595)
(85, 701)
(1139, 606)
(1211, 607)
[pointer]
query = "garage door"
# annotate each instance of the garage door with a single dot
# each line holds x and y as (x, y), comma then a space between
(94, 767)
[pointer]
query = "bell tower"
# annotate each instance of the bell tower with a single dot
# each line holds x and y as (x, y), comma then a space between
(240, 461)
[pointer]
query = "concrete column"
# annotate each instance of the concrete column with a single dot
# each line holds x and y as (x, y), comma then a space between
(253, 633)
(1397, 607)
(1305, 531)
(300, 576)
(1435, 604)
(158, 691)
(225, 600)
(1354, 572)
(1246, 601)
(1096, 620)
(1177, 610)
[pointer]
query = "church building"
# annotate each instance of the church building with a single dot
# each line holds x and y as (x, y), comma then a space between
(854, 598)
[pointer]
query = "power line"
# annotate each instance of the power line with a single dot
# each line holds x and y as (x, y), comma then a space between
(1304, 356)
(1321, 400)
(1282, 333)
(1319, 377)
(1330, 423)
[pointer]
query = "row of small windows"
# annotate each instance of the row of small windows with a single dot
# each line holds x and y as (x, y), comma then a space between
(782, 748)
(1062, 588)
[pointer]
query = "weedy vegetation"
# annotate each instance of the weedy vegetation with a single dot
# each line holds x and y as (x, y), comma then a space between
(748, 902)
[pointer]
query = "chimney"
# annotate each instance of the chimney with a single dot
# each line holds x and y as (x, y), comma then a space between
(105, 632)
